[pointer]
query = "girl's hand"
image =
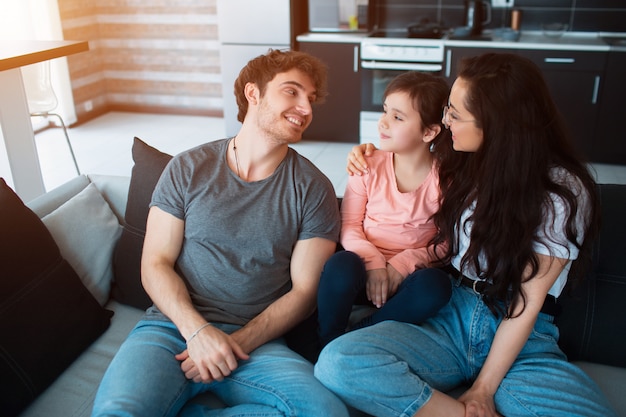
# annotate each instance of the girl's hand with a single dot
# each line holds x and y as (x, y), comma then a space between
(377, 286)
(395, 279)
(356, 159)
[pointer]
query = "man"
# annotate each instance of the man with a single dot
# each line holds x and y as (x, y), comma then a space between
(237, 234)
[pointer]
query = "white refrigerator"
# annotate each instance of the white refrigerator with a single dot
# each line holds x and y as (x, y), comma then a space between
(247, 29)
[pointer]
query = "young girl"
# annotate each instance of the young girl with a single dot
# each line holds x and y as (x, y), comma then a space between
(517, 208)
(386, 218)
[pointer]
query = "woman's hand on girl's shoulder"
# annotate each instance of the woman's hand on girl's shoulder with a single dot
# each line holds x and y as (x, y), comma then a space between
(357, 164)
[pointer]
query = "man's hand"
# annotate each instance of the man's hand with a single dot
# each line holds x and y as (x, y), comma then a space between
(210, 356)
(479, 404)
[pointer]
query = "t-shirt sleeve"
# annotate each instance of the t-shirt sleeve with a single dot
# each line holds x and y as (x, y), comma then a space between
(167, 194)
(353, 212)
(552, 239)
(321, 212)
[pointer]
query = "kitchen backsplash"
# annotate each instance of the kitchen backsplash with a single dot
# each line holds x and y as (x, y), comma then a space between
(579, 15)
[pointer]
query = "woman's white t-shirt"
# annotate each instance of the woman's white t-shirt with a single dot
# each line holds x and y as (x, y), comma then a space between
(552, 240)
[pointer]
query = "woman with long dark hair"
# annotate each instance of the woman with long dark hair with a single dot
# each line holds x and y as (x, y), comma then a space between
(518, 207)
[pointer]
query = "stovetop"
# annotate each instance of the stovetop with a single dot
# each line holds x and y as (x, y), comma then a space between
(404, 34)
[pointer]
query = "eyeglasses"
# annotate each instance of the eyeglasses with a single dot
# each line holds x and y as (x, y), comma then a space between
(449, 117)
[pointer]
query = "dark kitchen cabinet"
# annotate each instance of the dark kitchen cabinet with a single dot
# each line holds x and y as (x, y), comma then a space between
(610, 139)
(337, 119)
(454, 56)
(575, 79)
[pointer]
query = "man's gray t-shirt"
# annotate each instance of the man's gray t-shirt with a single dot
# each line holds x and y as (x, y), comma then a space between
(239, 236)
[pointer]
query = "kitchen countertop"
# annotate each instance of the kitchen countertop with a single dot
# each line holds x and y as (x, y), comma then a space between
(578, 41)
(339, 37)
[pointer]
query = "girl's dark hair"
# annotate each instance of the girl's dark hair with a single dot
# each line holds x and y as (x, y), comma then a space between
(428, 93)
(525, 159)
(264, 68)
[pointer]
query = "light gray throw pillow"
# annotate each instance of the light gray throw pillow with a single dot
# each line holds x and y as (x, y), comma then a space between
(86, 231)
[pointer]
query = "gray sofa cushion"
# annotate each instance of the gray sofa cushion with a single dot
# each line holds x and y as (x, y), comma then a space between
(47, 316)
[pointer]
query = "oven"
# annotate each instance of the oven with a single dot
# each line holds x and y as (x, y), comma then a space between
(382, 58)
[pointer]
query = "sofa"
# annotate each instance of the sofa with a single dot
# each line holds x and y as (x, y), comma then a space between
(62, 324)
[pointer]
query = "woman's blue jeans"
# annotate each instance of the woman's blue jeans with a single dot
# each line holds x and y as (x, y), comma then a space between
(392, 368)
(144, 379)
(342, 285)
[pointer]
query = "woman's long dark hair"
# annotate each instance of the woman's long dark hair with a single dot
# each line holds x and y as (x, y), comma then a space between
(511, 178)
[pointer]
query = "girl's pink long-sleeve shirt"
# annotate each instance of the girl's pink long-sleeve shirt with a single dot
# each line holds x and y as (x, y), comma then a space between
(383, 225)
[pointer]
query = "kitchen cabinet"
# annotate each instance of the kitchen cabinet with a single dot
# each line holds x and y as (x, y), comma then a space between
(337, 119)
(575, 79)
(610, 140)
(454, 56)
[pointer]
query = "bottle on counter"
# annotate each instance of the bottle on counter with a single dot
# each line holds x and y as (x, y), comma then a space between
(516, 19)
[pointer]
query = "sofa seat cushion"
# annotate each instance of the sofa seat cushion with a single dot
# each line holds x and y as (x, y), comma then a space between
(47, 316)
(611, 380)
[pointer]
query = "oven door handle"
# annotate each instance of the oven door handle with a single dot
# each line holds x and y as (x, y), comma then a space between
(402, 66)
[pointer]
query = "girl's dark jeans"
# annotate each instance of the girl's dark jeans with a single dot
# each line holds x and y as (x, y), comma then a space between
(342, 285)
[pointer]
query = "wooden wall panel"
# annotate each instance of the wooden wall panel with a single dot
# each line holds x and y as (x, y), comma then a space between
(157, 56)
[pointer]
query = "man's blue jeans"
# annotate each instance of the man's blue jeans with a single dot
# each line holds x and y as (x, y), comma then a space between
(391, 368)
(144, 379)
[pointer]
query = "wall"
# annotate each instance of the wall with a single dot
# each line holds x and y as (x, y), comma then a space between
(157, 56)
(580, 15)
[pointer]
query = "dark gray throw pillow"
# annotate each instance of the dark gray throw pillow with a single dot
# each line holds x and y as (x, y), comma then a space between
(47, 316)
(149, 164)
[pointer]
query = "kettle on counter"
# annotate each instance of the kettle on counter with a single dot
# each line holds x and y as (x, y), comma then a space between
(477, 15)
